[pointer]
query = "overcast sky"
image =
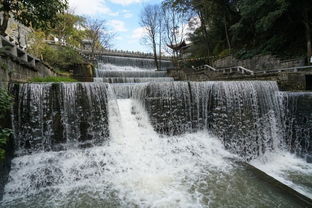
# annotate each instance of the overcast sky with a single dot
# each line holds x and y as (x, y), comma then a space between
(122, 17)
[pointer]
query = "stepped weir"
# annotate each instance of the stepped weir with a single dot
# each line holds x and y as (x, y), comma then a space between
(136, 138)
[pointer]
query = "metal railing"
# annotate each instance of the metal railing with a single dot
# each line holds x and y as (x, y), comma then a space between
(291, 69)
(239, 69)
(244, 71)
(206, 66)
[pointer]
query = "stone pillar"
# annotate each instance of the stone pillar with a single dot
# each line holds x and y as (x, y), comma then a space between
(31, 60)
(83, 72)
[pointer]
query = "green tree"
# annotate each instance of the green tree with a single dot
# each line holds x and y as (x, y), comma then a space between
(35, 13)
(260, 26)
(68, 29)
(216, 18)
(248, 27)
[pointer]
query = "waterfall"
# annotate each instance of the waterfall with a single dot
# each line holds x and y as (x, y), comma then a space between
(134, 79)
(123, 82)
(297, 122)
(129, 63)
(52, 116)
(155, 74)
(135, 138)
(138, 168)
(245, 115)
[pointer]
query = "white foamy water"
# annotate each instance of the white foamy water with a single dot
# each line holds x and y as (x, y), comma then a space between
(112, 67)
(288, 169)
(154, 171)
(138, 168)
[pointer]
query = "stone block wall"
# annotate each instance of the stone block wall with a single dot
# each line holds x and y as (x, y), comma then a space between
(83, 72)
(287, 81)
(18, 66)
(17, 31)
(259, 63)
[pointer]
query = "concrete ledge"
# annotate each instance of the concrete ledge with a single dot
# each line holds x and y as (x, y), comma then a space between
(295, 195)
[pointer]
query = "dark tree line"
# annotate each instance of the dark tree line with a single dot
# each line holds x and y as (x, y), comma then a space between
(249, 27)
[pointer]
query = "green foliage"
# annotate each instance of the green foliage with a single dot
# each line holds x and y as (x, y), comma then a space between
(224, 53)
(37, 13)
(37, 43)
(52, 79)
(66, 29)
(5, 104)
(248, 27)
(4, 135)
(61, 57)
(4, 66)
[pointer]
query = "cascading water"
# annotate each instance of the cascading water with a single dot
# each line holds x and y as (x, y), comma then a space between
(130, 70)
(160, 144)
(119, 63)
(49, 116)
(131, 76)
(138, 168)
(296, 123)
(145, 74)
(297, 118)
(134, 79)
(245, 115)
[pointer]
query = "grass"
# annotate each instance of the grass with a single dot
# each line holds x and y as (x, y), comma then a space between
(62, 72)
(52, 79)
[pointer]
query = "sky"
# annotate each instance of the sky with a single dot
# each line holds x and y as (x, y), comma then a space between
(122, 18)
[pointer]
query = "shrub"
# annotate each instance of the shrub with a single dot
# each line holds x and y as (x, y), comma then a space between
(61, 57)
(5, 104)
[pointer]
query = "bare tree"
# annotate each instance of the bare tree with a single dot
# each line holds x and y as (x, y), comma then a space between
(99, 35)
(174, 24)
(150, 20)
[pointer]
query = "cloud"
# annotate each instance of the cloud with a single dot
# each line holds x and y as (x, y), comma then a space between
(138, 33)
(90, 7)
(126, 13)
(117, 25)
(125, 2)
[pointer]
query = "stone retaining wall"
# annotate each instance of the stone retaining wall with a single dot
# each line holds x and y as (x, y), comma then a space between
(259, 63)
(16, 65)
(287, 81)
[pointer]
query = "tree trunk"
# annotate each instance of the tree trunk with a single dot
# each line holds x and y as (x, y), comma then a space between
(159, 65)
(227, 35)
(155, 53)
(308, 35)
(203, 25)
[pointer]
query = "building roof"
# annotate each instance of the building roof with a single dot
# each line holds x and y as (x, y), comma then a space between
(180, 46)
